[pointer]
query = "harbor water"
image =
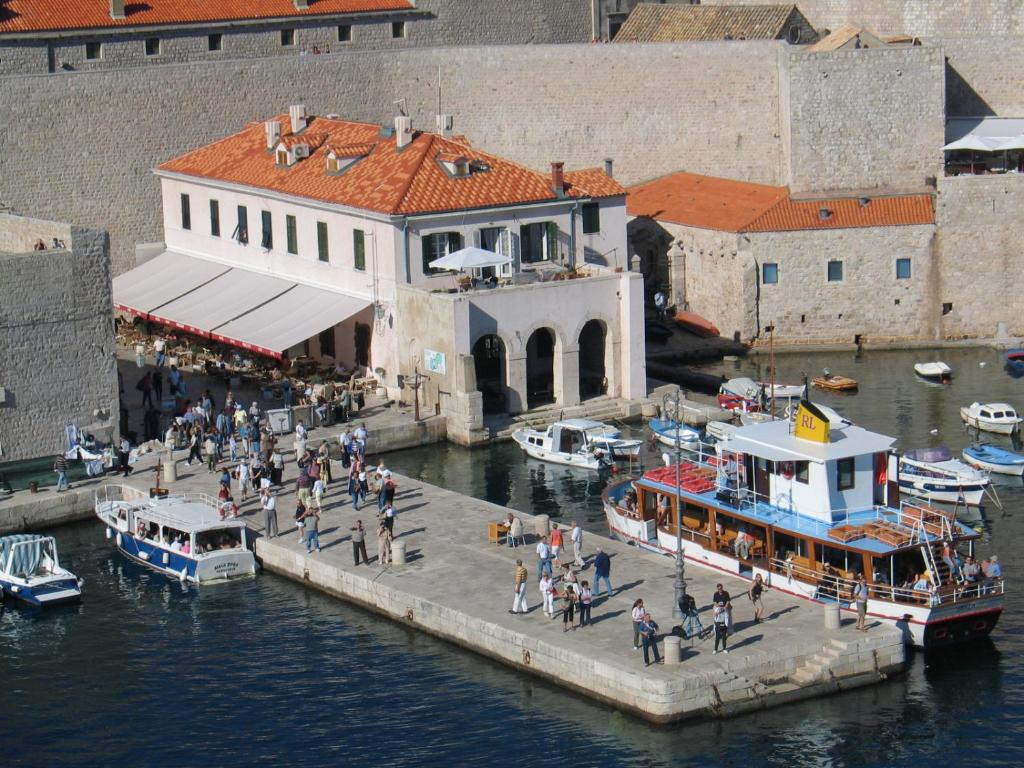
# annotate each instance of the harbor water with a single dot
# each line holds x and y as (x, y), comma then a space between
(264, 672)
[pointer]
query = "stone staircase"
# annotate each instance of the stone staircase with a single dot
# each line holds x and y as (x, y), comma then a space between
(818, 667)
(604, 408)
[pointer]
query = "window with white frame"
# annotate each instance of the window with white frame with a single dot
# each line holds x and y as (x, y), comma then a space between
(437, 246)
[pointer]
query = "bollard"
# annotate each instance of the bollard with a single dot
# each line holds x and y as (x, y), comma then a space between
(168, 469)
(541, 525)
(673, 649)
(398, 553)
(831, 615)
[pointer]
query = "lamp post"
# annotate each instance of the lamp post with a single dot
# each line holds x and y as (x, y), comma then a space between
(680, 581)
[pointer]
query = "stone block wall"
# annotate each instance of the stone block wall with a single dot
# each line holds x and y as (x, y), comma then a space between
(56, 340)
(436, 23)
(980, 254)
(911, 17)
(707, 107)
(984, 76)
(863, 119)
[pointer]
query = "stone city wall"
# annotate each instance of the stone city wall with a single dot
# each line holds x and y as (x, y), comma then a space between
(911, 17)
(707, 107)
(57, 362)
(863, 119)
(435, 23)
(984, 76)
(980, 253)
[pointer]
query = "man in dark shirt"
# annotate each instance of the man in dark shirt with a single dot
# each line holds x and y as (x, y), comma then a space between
(721, 597)
(602, 570)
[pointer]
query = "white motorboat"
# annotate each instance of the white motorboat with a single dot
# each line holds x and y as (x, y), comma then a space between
(188, 537)
(783, 391)
(935, 371)
(668, 431)
(935, 475)
(991, 417)
(994, 459)
(30, 571)
(577, 443)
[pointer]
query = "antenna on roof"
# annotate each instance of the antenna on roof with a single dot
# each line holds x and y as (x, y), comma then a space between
(401, 106)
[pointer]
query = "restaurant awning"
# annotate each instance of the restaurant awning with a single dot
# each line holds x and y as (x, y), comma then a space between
(255, 311)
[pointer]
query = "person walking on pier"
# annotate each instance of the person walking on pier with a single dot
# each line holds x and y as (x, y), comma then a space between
(269, 514)
(577, 544)
(359, 542)
(60, 466)
(383, 544)
(602, 570)
(547, 594)
(755, 592)
(637, 615)
(649, 633)
(568, 606)
(519, 588)
(312, 521)
(556, 545)
(721, 627)
(585, 596)
(544, 558)
(860, 597)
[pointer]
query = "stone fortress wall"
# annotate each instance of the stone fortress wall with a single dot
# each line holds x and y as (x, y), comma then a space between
(974, 18)
(56, 337)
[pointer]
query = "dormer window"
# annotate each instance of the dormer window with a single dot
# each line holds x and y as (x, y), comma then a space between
(333, 164)
(457, 166)
(341, 158)
(282, 157)
(288, 153)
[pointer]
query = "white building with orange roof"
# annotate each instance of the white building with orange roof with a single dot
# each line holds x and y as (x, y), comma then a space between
(313, 236)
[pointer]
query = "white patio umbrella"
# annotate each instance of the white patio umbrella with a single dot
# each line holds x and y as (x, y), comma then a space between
(973, 142)
(469, 258)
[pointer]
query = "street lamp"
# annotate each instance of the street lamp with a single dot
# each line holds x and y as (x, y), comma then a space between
(680, 582)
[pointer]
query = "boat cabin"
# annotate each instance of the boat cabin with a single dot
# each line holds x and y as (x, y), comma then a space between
(180, 524)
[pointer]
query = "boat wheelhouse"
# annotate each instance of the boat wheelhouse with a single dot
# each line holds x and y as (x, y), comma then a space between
(808, 505)
(1001, 418)
(30, 571)
(185, 537)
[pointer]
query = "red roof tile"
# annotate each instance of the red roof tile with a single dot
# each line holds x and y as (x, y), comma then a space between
(42, 15)
(387, 180)
(708, 202)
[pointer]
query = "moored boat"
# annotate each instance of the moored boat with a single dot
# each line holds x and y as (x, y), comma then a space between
(1014, 359)
(1000, 418)
(994, 459)
(834, 383)
(577, 443)
(697, 324)
(667, 432)
(934, 474)
(186, 537)
(741, 394)
(934, 371)
(808, 506)
(30, 571)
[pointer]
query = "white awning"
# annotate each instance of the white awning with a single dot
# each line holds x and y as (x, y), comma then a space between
(984, 134)
(291, 318)
(161, 280)
(252, 310)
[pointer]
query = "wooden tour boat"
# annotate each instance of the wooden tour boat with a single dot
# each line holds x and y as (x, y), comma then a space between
(808, 505)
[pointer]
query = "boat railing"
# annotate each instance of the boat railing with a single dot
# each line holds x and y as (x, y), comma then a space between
(117, 492)
(837, 587)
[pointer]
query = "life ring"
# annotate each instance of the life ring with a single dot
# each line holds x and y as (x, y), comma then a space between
(787, 470)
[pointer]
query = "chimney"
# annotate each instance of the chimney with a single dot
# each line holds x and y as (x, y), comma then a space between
(117, 9)
(608, 168)
(557, 179)
(445, 124)
(301, 5)
(403, 131)
(273, 129)
(297, 113)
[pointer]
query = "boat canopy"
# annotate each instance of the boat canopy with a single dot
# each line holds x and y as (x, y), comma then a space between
(184, 514)
(27, 549)
(774, 441)
(930, 455)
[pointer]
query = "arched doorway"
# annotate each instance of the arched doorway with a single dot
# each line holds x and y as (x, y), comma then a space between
(540, 368)
(489, 362)
(593, 381)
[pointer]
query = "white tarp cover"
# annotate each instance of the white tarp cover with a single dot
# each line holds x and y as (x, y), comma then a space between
(161, 280)
(289, 319)
(984, 134)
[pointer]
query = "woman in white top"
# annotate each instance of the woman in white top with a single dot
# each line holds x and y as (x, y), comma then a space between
(638, 616)
(547, 594)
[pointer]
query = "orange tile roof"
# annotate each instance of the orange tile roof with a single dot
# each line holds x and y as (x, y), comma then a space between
(44, 15)
(708, 202)
(387, 180)
(351, 150)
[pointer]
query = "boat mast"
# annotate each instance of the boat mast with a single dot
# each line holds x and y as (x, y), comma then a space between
(771, 369)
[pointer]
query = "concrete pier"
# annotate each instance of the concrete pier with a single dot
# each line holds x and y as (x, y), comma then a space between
(457, 586)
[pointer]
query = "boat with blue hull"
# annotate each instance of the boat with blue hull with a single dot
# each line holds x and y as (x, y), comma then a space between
(1014, 359)
(667, 432)
(995, 459)
(187, 537)
(933, 474)
(30, 571)
(808, 506)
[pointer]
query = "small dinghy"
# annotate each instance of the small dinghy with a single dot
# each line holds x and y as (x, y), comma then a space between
(667, 431)
(835, 383)
(994, 459)
(30, 571)
(1000, 418)
(1014, 360)
(935, 371)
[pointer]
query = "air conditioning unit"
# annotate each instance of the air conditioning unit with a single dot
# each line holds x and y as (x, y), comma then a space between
(301, 150)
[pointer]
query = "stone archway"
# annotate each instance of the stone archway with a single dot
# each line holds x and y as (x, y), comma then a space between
(540, 368)
(489, 361)
(593, 341)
